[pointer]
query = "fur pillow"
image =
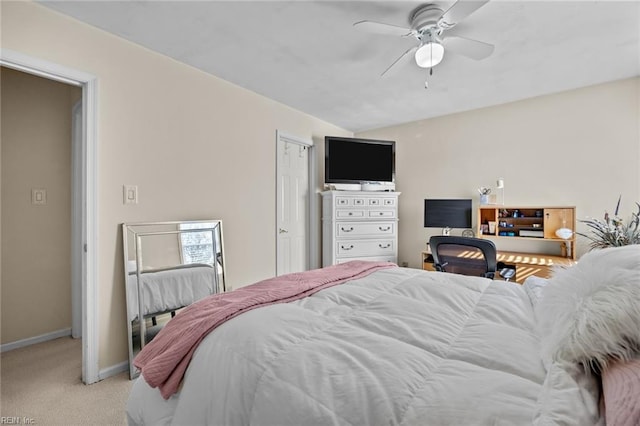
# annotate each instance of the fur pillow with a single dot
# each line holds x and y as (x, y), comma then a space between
(590, 313)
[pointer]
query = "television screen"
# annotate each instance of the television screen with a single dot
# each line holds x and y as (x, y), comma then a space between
(450, 213)
(351, 160)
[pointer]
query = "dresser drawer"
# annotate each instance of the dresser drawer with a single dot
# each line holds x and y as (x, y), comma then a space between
(350, 202)
(381, 202)
(346, 214)
(386, 214)
(369, 258)
(365, 248)
(364, 229)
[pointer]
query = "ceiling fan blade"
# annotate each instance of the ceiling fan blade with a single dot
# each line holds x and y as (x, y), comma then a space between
(380, 28)
(460, 10)
(403, 58)
(473, 49)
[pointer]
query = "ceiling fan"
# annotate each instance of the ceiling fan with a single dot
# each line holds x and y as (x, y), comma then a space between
(429, 24)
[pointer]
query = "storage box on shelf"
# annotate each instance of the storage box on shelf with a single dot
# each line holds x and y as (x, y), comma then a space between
(535, 223)
(359, 225)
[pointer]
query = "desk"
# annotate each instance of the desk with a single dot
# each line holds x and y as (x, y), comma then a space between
(527, 264)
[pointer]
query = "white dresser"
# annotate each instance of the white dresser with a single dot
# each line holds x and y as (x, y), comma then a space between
(359, 225)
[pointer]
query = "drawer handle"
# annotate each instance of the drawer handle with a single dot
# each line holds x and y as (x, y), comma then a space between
(346, 230)
(350, 213)
(381, 213)
(346, 248)
(384, 246)
(384, 229)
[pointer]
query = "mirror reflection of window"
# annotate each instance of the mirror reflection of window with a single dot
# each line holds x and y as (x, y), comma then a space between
(197, 247)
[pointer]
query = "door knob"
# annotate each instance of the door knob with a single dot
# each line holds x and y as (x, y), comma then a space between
(282, 231)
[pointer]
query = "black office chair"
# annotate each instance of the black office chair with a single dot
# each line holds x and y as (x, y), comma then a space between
(467, 256)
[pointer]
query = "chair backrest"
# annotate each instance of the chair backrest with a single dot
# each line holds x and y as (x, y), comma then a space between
(463, 255)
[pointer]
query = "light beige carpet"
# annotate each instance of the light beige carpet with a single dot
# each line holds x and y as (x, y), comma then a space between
(42, 383)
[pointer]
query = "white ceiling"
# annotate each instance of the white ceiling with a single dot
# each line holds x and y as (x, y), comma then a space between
(307, 54)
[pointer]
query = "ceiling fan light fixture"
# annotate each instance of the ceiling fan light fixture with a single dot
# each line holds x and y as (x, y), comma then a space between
(429, 54)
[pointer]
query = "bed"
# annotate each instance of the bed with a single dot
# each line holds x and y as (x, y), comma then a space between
(399, 346)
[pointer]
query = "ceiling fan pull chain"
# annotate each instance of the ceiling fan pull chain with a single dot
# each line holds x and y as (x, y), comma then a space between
(431, 54)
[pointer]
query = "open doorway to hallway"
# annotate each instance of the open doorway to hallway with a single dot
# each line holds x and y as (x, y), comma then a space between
(36, 219)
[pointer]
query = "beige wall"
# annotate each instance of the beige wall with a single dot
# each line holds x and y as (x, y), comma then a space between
(579, 148)
(36, 239)
(196, 146)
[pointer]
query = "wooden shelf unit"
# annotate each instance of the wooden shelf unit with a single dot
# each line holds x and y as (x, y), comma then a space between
(539, 224)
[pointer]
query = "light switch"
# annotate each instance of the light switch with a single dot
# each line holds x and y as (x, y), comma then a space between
(130, 194)
(38, 196)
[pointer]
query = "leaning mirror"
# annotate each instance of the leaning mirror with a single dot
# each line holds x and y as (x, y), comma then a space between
(168, 265)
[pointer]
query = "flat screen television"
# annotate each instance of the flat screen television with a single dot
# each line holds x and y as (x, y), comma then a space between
(447, 213)
(354, 160)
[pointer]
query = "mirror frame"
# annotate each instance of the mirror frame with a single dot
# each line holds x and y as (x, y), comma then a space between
(133, 235)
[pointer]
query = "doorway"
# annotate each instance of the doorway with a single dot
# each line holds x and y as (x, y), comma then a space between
(86, 210)
(296, 231)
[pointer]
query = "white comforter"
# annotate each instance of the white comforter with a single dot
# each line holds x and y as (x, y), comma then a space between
(399, 347)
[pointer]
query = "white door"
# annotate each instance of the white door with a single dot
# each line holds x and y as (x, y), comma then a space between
(293, 204)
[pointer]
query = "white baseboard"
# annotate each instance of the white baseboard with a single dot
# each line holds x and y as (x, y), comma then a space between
(33, 340)
(113, 370)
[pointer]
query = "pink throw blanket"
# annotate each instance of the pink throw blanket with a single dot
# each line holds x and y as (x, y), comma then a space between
(165, 359)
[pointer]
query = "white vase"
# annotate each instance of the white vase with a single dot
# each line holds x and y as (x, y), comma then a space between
(484, 199)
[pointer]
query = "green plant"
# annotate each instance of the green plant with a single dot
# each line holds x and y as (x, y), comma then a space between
(613, 231)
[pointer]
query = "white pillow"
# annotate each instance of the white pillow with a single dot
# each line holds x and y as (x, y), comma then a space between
(590, 313)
